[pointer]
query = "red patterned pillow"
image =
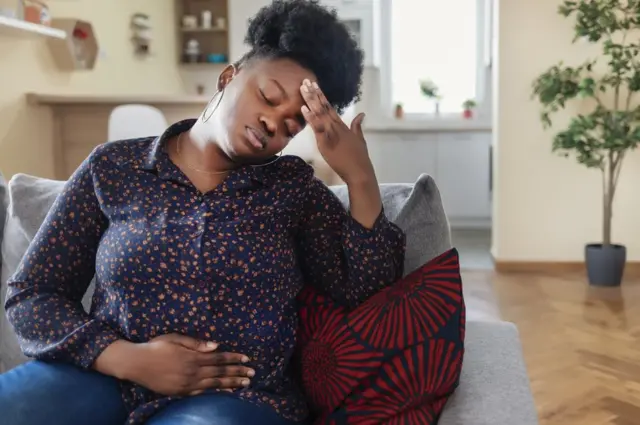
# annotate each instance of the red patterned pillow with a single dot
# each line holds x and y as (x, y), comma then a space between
(393, 360)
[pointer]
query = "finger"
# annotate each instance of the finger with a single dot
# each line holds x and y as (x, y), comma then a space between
(311, 98)
(205, 372)
(192, 343)
(324, 102)
(217, 359)
(198, 392)
(317, 124)
(356, 124)
(222, 383)
(206, 346)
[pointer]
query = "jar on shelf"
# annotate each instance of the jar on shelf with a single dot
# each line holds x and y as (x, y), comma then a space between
(207, 19)
(36, 12)
(192, 51)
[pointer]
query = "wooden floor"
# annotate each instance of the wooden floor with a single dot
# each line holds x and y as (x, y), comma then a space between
(581, 345)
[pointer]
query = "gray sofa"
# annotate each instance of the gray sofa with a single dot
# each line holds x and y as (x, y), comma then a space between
(494, 387)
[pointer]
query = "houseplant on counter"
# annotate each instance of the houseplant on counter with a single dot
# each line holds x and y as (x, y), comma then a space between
(601, 137)
(431, 91)
(467, 108)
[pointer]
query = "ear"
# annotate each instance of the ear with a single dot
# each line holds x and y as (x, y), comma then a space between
(226, 76)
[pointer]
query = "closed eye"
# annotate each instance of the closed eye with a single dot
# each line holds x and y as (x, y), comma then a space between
(269, 102)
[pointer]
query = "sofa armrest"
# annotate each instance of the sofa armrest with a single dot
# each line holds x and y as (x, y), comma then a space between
(494, 386)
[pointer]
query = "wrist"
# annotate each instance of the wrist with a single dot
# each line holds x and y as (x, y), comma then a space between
(117, 360)
(361, 179)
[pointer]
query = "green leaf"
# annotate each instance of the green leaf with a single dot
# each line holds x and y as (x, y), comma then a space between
(605, 129)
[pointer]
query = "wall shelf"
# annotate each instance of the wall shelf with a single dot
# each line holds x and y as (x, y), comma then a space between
(19, 28)
(210, 39)
(79, 49)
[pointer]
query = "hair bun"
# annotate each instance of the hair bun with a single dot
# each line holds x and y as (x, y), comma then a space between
(284, 23)
(311, 35)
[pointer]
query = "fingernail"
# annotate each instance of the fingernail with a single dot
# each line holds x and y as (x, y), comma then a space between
(212, 345)
(306, 82)
(245, 382)
(305, 109)
(251, 373)
(245, 359)
(315, 85)
(305, 89)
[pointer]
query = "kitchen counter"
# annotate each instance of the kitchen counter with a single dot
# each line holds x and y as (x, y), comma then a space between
(455, 152)
(371, 123)
(81, 123)
(386, 125)
(63, 99)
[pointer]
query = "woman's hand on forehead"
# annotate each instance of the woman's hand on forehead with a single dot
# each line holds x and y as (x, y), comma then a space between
(344, 148)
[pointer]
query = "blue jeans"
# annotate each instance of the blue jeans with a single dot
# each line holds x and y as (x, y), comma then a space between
(39, 393)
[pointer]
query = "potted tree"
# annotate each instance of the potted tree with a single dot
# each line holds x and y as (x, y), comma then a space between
(608, 126)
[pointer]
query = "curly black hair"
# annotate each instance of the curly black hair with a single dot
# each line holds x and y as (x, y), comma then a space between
(313, 36)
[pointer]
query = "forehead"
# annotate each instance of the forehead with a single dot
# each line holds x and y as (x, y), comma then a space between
(285, 71)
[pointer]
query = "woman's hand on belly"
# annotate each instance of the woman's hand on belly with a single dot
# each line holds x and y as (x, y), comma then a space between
(177, 365)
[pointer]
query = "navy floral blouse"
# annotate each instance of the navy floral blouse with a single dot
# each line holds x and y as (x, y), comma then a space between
(222, 266)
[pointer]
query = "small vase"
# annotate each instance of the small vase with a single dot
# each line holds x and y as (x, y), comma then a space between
(437, 111)
(467, 114)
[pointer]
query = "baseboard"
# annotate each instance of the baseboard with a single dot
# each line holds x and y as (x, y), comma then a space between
(632, 268)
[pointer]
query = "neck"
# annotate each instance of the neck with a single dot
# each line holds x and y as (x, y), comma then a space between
(199, 150)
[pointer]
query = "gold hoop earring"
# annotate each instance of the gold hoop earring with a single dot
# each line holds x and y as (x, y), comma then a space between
(219, 94)
(268, 163)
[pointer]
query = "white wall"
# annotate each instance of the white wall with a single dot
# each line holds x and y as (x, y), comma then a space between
(547, 207)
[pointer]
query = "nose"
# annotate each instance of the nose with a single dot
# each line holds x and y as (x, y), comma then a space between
(269, 125)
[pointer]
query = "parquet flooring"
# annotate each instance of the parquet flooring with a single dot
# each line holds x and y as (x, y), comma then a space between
(581, 346)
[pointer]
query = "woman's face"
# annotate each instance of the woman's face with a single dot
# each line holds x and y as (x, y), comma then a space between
(260, 109)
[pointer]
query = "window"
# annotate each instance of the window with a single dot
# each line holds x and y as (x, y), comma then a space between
(435, 40)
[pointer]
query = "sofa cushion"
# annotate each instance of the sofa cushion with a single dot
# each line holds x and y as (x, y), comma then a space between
(416, 208)
(30, 199)
(396, 357)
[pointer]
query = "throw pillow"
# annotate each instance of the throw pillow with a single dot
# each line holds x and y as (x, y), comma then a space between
(417, 209)
(394, 359)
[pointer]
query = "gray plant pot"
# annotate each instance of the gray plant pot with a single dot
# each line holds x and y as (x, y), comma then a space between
(605, 264)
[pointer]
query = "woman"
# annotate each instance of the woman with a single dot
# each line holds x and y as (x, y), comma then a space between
(200, 241)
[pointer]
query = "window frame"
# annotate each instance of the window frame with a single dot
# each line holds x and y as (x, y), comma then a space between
(483, 65)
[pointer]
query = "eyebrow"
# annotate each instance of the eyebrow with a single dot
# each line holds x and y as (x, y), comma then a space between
(282, 91)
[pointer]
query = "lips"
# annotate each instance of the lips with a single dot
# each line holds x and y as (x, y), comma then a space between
(256, 138)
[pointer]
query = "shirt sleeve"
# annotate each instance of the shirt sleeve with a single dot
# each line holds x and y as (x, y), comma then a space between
(45, 293)
(341, 257)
